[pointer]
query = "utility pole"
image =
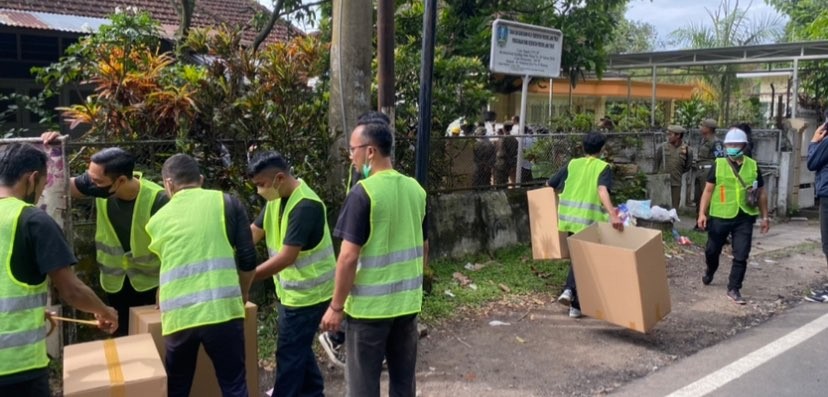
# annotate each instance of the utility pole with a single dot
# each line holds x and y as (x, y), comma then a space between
(351, 78)
(426, 75)
(385, 57)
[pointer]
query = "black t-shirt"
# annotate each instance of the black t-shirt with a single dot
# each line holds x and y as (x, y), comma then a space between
(306, 225)
(237, 226)
(354, 223)
(119, 211)
(558, 181)
(39, 248)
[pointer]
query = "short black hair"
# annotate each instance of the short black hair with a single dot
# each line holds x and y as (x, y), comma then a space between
(115, 162)
(594, 142)
(181, 169)
(18, 159)
(507, 126)
(373, 117)
(380, 136)
(267, 160)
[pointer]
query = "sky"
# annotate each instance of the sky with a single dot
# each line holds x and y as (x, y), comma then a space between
(668, 15)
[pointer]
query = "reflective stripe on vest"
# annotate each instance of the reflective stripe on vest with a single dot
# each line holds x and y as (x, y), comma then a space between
(140, 265)
(389, 275)
(580, 205)
(729, 196)
(199, 283)
(309, 280)
(22, 306)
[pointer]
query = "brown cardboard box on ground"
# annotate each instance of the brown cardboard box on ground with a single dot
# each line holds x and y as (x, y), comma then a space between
(621, 276)
(126, 366)
(547, 241)
(147, 319)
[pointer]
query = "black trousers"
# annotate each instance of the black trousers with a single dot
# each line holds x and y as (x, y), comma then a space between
(368, 342)
(570, 284)
(223, 343)
(740, 229)
(37, 387)
(128, 297)
(823, 223)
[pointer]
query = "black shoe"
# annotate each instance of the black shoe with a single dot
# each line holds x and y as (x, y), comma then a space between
(707, 278)
(736, 297)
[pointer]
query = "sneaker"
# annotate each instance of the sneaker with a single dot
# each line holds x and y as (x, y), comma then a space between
(566, 297)
(736, 297)
(575, 313)
(334, 351)
(818, 297)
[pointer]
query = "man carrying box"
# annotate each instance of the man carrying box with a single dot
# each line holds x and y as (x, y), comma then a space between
(32, 247)
(302, 262)
(585, 183)
(202, 286)
(124, 203)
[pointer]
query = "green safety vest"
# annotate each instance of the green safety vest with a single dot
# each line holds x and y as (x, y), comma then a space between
(140, 265)
(310, 279)
(580, 205)
(199, 284)
(22, 306)
(729, 196)
(389, 276)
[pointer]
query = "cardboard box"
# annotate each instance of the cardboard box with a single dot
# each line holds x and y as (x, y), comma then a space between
(547, 241)
(147, 319)
(621, 276)
(126, 366)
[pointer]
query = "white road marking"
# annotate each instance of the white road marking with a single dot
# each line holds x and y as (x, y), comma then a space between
(747, 363)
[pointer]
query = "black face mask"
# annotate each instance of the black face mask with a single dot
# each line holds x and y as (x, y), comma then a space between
(100, 191)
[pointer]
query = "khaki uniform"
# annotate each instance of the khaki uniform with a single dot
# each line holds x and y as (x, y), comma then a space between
(709, 150)
(674, 161)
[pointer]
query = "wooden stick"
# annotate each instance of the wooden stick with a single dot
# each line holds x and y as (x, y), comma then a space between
(74, 320)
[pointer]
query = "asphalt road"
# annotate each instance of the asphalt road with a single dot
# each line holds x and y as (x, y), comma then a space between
(786, 356)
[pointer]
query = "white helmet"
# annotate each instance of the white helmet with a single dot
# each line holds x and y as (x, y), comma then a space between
(736, 135)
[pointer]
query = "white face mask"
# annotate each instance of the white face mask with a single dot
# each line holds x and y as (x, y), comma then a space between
(270, 193)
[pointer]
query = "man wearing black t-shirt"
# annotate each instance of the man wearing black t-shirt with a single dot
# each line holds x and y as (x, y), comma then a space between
(302, 263)
(129, 272)
(32, 247)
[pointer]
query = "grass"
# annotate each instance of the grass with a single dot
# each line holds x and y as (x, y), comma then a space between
(513, 267)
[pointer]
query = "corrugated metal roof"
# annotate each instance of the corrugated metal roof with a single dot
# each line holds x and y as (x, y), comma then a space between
(48, 21)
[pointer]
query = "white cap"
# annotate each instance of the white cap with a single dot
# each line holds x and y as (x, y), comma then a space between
(736, 135)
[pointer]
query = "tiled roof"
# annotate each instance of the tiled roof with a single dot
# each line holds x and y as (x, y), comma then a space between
(206, 13)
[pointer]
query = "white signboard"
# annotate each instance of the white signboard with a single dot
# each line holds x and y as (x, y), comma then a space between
(525, 50)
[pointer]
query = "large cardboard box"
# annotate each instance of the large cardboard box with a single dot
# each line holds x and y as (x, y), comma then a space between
(147, 320)
(547, 241)
(127, 367)
(621, 276)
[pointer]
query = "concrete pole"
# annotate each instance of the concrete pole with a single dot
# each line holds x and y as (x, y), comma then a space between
(351, 49)
(350, 64)
(653, 103)
(795, 99)
(385, 57)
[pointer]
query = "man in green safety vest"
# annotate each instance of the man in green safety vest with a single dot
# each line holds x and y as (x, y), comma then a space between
(294, 226)
(124, 203)
(207, 264)
(729, 185)
(379, 272)
(585, 184)
(32, 248)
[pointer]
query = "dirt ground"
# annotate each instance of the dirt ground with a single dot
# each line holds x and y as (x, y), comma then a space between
(545, 353)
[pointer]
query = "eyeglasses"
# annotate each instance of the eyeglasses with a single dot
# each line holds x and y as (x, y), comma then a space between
(352, 149)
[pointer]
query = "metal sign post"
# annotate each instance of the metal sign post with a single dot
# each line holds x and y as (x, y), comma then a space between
(528, 51)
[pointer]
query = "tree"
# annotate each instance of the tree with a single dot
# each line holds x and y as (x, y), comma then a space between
(632, 37)
(587, 26)
(729, 26)
(808, 21)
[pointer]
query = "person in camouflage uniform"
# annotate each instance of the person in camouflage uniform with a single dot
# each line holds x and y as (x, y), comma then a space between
(710, 148)
(674, 157)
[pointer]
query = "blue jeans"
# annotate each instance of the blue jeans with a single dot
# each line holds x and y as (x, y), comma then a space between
(297, 373)
(223, 343)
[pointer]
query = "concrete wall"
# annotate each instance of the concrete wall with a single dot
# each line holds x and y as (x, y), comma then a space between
(471, 222)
